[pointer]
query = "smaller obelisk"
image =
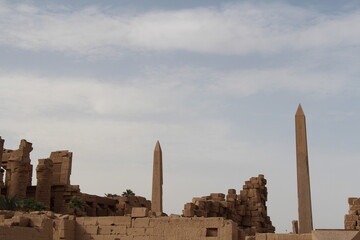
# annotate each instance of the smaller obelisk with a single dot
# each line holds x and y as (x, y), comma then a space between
(303, 177)
(156, 201)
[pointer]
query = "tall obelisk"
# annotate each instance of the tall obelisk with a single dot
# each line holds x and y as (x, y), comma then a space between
(303, 177)
(156, 201)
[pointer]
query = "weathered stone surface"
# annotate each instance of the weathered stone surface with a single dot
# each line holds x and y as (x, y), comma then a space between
(303, 177)
(44, 172)
(352, 219)
(62, 161)
(18, 169)
(284, 236)
(139, 212)
(156, 201)
(125, 204)
(248, 209)
(335, 234)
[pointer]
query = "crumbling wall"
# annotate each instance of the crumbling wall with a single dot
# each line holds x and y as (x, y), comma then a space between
(61, 195)
(126, 204)
(247, 209)
(25, 226)
(18, 169)
(159, 228)
(352, 219)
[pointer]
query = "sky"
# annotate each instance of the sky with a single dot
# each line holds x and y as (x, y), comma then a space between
(217, 82)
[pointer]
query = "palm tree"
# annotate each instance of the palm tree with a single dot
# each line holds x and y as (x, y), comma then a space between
(127, 193)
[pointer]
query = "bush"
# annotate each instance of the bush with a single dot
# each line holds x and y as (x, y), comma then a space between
(111, 195)
(29, 205)
(8, 203)
(76, 204)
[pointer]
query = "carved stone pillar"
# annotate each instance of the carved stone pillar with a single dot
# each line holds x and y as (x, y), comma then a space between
(44, 172)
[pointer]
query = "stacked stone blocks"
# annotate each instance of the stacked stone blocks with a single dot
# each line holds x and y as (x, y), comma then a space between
(62, 161)
(18, 169)
(352, 219)
(154, 228)
(44, 172)
(247, 209)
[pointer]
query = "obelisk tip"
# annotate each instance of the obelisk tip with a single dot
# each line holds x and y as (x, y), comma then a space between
(299, 111)
(157, 146)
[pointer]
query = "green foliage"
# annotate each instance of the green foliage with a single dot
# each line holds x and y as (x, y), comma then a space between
(128, 192)
(8, 203)
(111, 195)
(76, 204)
(29, 205)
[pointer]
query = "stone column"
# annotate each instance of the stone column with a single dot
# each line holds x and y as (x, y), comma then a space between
(1, 170)
(44, 171)
(18, 170)
(303, 177)
(156, 201)
(62, 161)
(19, 179)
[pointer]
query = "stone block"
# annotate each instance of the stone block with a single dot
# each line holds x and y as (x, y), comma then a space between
(217, 196)
(140, 222)
(135, 231)
(188, 213)
(232, 191)
(89, 221)
(90, 229)
(115, 221)
(260, 236)
(139, 212)
(141, 238)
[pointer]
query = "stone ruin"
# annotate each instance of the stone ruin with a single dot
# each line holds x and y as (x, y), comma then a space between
(235, 216)
(352, 219)
(247, 209)
(53, 187)
(18, 169)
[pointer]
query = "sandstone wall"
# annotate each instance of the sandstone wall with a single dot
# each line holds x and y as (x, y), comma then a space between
(247, 209)
(352, 219)
(50, 226)
(282, 236)
(161, 228)
(25, 226)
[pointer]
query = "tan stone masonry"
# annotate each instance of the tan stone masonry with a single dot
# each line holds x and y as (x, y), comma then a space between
(352, 219)
(247, 209)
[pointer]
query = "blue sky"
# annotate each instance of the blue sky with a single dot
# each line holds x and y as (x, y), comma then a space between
(217, 82)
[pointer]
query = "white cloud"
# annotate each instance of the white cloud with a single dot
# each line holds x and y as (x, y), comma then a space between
(232, 29)
(249, 82)
(31, 92)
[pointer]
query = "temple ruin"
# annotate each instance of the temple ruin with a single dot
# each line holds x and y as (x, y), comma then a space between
(237, 215)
